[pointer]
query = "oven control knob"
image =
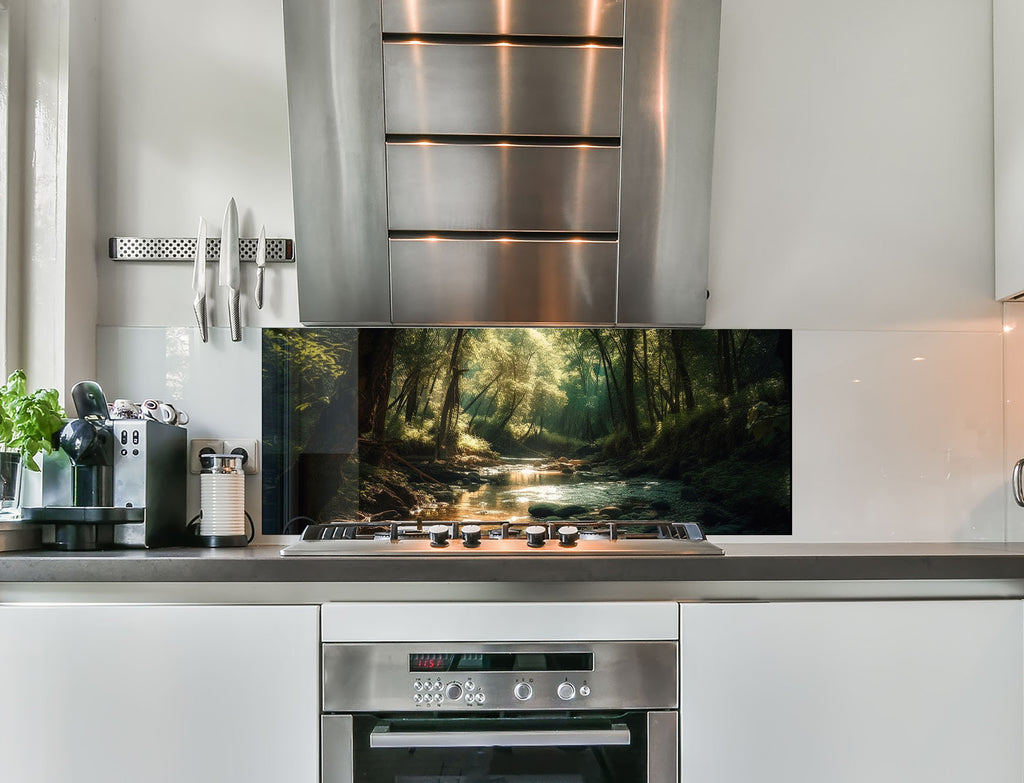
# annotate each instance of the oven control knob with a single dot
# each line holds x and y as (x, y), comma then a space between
(438, 535)
(568, 535)
(535, 535)
(453, 691)
(522, 691)
(584, 690)
(471, 535)
(566, 691)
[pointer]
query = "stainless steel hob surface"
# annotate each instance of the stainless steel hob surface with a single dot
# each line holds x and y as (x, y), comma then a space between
(471, 538)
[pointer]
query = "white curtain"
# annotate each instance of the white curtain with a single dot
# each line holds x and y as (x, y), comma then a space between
(6, 327)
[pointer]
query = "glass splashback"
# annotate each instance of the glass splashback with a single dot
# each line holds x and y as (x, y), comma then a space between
(506, 424)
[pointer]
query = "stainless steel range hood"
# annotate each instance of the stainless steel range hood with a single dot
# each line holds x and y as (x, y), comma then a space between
(502, 161)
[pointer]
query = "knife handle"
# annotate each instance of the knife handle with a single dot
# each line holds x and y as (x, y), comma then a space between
(234, 317)
(258, 294)
(199, 306)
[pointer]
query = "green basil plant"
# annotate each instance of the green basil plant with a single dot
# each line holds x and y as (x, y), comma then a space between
(28, 421)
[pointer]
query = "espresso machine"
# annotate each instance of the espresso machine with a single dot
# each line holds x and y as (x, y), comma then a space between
(112, 482)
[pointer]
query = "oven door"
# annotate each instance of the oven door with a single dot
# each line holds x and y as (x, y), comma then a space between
(630, 747)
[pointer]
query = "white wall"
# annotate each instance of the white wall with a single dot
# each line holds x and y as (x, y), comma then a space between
(852, 203)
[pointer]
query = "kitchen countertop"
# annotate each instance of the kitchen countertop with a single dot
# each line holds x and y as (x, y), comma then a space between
(745, 572)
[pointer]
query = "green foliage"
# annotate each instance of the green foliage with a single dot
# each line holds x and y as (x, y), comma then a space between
(28, 421)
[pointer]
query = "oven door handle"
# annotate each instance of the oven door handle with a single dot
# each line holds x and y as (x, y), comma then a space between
(382, 737)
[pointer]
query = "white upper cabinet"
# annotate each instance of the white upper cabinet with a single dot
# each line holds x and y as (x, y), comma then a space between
(1008, 130)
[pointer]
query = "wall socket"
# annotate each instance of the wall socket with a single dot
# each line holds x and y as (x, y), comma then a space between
(249, 447)
(250, 451)
(199, 446)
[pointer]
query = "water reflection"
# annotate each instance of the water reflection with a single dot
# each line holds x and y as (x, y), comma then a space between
(517, 485)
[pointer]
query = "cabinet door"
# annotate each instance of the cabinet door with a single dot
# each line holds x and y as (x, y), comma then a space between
(852, 692)
(159, 694)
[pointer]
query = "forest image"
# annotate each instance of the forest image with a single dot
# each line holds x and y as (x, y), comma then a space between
(626, 424)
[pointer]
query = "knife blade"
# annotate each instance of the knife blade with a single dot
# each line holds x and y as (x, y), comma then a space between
(229, 274)
(199, 282)
(261, 262)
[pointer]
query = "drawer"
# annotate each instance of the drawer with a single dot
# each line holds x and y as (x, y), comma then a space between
(456, 281)
(502, 89)
(502, 187)
(595, 18)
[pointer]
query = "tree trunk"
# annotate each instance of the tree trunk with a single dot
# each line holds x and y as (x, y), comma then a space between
(652, 408)
(376, 363)
(610, 381)
(678, 340)
(726, 371)
(448, 421)
(628, 387)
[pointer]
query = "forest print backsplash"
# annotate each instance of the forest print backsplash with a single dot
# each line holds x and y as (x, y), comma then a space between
(503, 424)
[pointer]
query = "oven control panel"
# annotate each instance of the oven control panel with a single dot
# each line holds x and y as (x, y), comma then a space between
(529, 692)
(477, 677)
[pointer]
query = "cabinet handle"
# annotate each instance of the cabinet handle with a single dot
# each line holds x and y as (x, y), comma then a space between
(1018, 489)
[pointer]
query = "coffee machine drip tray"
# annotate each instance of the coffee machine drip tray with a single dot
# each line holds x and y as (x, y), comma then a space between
(77, 515)
(83, 527)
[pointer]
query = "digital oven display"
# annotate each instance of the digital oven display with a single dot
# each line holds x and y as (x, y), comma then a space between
(501, 662)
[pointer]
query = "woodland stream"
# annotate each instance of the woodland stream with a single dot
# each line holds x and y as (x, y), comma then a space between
(517, 484)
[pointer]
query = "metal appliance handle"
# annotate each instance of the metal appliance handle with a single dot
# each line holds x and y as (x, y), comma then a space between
(1018, 489)
(382, 737)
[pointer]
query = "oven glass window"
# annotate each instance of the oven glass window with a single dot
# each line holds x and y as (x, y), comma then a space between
(535, 756)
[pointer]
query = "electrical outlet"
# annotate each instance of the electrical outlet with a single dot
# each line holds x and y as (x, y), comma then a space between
(199, 446)
(249, 449)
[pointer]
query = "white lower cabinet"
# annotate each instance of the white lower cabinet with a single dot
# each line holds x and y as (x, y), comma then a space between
(159, 694)
(880, 692)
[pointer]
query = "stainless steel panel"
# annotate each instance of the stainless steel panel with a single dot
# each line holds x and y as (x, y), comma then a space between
(669, 92)
(336, 120)
(375, 677)
(662, 747)
(508, 282)
(502, 187)
(502, 89)
(598, 18)
(336, 748)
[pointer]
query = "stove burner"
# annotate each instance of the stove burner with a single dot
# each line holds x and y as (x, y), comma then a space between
(565, 537)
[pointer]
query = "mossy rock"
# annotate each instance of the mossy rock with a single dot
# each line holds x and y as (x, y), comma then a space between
(571, 510)
(541, 510)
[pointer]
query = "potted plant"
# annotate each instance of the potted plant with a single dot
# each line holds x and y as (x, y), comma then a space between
(28, 423)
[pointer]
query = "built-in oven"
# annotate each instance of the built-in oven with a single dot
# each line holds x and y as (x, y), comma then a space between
(516, 712)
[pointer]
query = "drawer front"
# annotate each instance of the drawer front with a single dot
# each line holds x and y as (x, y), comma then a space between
(456, 281)
(502, 89)
(502, 187)
(595, 18)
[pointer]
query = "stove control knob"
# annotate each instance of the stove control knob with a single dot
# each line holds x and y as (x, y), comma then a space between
(471, 535)
(566, 691)
(535, 535)
(568, 535)
(438, 535)
(523, 691)
(453, 691)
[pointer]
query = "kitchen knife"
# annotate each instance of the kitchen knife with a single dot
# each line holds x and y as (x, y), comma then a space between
(261, 262)
(199, 282)
(229, 275)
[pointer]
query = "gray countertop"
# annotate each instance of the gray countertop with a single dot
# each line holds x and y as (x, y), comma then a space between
(741, 563)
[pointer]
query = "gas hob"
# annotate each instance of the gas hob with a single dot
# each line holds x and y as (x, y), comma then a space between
(470, 538)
